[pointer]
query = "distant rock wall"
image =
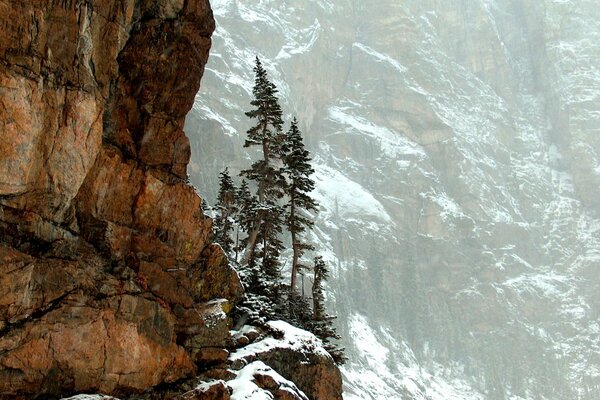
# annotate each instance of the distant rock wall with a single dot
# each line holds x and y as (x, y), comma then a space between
(457, 157)
(106, 265)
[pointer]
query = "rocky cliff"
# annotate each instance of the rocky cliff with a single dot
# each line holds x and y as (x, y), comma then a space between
(108, 279)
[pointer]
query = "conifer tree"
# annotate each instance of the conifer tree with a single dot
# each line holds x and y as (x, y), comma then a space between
(322, 325)
(271, 247)
(256, 306)
(283, 170)
(267, 135)
(297, 167)
(226, 207)
(246, 215)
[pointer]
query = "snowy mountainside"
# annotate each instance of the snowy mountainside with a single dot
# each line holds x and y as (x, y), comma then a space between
(457, 153)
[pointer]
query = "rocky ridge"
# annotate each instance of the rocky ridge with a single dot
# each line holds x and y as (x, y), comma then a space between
(109, 281)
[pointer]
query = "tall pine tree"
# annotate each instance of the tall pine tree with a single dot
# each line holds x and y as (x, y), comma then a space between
(267, 135)
(298, 170)
(283, 170)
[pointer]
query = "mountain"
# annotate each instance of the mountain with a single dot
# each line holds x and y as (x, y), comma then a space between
(456, 146)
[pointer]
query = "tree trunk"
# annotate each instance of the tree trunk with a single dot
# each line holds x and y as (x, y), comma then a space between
(294, 248)
(237, 242)
(295, 258)
(251, 244)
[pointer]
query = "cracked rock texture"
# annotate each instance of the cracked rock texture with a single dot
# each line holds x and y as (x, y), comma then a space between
(107, 274)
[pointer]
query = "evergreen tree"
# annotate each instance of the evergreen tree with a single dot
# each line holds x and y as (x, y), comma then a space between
(226, 208)
(257, 306)
(246, 216)
(297, 167)
(322, 325)
(283, 170)
(261, 216)
(267, 135)
(321, 274)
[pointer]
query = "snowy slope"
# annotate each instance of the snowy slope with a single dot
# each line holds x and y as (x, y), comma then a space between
(457, 153)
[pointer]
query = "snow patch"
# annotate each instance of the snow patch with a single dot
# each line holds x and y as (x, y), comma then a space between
(343, 197)
(294, 339)
(392, 144)
(244, 386)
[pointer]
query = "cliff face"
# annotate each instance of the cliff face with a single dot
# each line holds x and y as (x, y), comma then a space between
(106, 267)
(457, 161)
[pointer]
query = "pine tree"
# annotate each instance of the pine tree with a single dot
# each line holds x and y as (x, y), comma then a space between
(257, 306)
(267, 135)
(261, 216)
(246, 216)
(271, 247)
(322, 325)
(321, 274)
(297, 167)
(226, 208)
(283, 170)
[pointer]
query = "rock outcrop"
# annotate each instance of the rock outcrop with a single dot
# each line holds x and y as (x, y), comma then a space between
(108, 279)
(296, 355)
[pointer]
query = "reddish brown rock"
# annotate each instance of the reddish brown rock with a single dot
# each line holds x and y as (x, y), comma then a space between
(298, 357)
(212, 269)
(317, 376)
(268, 382)
(145, 215)
(215, 391)
(211, 356)
(101, 239)
(28, 285)
(86, 349)
(46, 132)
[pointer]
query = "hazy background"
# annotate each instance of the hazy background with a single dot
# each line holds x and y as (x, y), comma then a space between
(457, 147)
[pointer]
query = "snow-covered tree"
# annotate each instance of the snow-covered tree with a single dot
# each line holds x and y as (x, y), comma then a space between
(267, 135)
(298, 171)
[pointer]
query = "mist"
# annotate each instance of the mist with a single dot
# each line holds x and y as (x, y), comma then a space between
(456, 146)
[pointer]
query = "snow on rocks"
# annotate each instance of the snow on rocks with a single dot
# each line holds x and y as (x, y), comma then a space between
(294, 339)
(258, 381)
(296, 355)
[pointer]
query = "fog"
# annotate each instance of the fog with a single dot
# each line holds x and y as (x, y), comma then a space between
(456, 145)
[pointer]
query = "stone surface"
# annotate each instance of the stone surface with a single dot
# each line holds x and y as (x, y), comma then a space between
(211, 356)
(215, 391)
(296, 355)
(104, 249)
(315, 375)
(73, 327)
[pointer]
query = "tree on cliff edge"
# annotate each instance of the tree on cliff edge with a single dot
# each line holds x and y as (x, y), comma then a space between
(283, 183)
(299, 186)
(267, 135)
